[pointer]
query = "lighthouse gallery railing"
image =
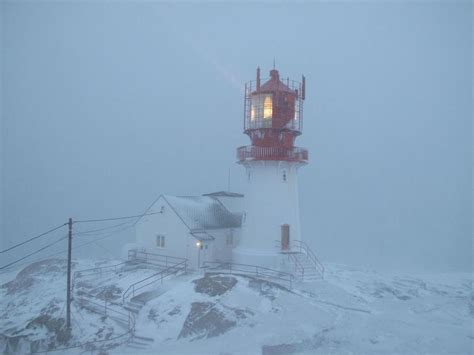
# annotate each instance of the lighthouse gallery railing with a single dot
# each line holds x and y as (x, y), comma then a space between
(251, 152)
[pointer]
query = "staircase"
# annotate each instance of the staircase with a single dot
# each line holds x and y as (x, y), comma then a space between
(135, 304)
(133, 298)
(140, 343)
(306, 266)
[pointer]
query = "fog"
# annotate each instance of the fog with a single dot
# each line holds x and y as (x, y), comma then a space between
(107, 105)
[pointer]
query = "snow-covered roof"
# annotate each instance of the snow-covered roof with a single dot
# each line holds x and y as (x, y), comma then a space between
(202, 236)
(203, 212)
(224, 194)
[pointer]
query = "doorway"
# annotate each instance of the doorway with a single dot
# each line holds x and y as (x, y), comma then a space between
(285, 237)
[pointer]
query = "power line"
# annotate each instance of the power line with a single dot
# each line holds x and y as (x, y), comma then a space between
(148, 208)
(103, 237)
(76, 247)
(79, 233)
(31, 239)
(33, 253)
(114, 218)
(100, 229)
(80, 221)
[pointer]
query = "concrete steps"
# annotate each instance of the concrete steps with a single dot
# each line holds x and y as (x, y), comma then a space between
(305, 269)
(136, 303)
(140, 343)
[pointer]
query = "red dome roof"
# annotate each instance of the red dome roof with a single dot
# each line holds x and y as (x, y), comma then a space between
(274, 84)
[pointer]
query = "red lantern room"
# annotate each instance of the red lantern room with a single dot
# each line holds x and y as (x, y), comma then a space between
(273, 118)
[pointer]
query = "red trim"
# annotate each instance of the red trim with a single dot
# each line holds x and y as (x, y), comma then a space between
(251, 152)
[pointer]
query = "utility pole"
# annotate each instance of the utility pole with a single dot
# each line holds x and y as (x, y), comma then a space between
(68, 298)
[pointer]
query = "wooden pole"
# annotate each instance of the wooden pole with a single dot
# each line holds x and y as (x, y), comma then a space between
(68, 298)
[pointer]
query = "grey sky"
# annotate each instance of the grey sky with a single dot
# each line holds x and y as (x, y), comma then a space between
(107, 105)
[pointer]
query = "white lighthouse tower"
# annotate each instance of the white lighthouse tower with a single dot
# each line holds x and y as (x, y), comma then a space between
(273, 117)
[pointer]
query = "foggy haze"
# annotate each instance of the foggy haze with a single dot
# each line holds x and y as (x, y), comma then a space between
(107, 105)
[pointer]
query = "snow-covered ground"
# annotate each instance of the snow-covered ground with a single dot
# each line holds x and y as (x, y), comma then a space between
(350, 311)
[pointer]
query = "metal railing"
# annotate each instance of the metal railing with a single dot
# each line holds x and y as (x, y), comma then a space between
(298, 246)
(143, 256)
(303, 247)
(256, 123)
(159, 276)
(251, 152)
(106, 309)
(98, 270)
(95, 307)
(254, 270)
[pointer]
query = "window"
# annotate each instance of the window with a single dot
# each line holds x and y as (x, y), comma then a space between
(261, 107)
(267, 107)
(160, 241)
(230, 239)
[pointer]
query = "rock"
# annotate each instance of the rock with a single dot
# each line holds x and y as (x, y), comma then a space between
(205, 321)
(214, 285)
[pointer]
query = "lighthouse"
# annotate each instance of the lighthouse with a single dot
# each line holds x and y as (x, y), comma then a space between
(273, 118)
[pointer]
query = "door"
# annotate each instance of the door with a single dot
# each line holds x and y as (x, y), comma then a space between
(204, 252)
(285, 237)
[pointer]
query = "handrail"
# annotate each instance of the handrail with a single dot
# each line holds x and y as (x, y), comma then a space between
(95, 270)
(250, 152)
(297, 264)
(303, 246)
(130, 318)
(162, 274)
(292, 257)
(153, 259)
(130, 331)
(101, 307)
(255, 270)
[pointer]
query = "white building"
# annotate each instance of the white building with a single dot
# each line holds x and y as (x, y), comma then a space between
(198, 228)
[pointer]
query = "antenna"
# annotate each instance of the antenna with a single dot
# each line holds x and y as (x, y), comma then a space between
(303, 89)
(273, 62)
(258, 78)
(228, 181)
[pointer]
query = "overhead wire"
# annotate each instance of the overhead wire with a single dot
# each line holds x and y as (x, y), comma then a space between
(147, 209)
(33, 253)
(80, 232)
(109, 234)
(31, 239)
(84, 233)
(114, 218)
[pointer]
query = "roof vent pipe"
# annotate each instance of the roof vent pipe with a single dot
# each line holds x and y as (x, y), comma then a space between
(258, 78)
(303, 89)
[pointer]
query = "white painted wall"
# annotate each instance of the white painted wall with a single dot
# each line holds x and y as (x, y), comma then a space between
(179, 242)
(221, 251)
(269, 202)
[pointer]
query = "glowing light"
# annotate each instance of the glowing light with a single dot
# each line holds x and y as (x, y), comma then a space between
(198, 244)
(261, 107)
(267, 107)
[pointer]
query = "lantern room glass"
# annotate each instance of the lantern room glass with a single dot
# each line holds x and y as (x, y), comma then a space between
(261, 107)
